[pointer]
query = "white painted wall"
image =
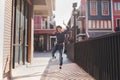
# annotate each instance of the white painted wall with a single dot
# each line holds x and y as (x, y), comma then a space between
(2, 10)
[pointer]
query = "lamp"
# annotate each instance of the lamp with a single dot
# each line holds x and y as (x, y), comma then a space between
(75, 12)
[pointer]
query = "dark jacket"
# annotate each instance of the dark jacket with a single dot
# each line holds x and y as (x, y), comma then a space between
(61, 36)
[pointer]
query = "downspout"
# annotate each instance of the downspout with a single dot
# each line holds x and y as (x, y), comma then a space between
(86, 17)
(112, 16)
(32, 31)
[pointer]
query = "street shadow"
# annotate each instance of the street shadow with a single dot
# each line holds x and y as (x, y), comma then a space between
(51, 67)
(52, 70)
(41, 54)
(43, 74)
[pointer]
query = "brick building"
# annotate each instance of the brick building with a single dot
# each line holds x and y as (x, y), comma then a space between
(5, 41)
(95, 18)
(44, 25)
(16, 29)
(116, 14)
(16, 35)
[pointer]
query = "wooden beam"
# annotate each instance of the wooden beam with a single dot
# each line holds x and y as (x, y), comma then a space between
(29, 34)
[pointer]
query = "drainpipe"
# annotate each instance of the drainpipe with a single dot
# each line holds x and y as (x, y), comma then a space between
(86, 18)
(112, 16)
(2, 11)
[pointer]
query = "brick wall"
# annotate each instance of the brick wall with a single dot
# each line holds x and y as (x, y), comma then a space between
(7, 37)
(2, 4)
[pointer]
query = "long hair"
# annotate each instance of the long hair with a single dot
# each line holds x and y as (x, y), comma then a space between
(58, 27)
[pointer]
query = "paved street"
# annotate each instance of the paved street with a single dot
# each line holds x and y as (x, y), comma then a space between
(44, 68)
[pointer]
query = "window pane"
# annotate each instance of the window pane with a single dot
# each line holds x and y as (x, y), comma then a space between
(105, 7)
(16, 31)
(93, 8)
(118, 5)
(118, 22)
(115, 6)
(37, 22)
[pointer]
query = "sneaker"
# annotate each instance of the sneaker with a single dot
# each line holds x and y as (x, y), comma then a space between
(54, 57)
(60, 67)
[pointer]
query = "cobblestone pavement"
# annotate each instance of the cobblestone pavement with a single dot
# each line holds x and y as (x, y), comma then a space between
(45, 68)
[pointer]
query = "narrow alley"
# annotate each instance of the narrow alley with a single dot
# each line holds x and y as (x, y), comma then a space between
(45, 68)
(88, 31)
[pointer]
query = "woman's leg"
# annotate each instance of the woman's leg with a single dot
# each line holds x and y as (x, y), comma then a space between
(60, 55)
(54, 50)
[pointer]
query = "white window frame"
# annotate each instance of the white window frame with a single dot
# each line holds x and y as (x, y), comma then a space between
(118, 6)
(96, 8)
(115, 5)
(103, 9)
(116, 22)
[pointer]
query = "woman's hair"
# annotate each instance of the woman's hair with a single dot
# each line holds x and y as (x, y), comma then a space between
(58, 27)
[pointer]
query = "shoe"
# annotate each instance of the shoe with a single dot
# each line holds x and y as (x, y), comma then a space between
(54, 57)
(60, 67)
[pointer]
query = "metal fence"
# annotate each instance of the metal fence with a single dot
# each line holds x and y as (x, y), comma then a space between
(100, 57)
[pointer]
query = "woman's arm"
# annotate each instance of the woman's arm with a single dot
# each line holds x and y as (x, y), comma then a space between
(54, 33)
(67, 28)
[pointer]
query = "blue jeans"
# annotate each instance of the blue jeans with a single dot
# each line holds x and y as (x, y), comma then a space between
(58, 47)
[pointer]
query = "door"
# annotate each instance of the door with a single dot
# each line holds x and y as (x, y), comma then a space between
(118, 25)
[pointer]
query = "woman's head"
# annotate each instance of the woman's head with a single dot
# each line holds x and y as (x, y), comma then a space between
(59, 29)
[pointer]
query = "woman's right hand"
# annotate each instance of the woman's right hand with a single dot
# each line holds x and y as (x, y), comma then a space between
(64, 24)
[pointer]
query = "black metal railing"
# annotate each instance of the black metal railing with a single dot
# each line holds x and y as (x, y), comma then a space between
(100, 57)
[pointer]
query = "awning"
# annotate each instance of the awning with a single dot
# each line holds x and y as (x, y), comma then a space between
(44, 31)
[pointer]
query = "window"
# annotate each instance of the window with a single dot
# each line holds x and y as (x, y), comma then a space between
(51, 26)
(37, 22)
(116, 5)
(118, 23)
(20, 32)
(105, 8)
(93, 7)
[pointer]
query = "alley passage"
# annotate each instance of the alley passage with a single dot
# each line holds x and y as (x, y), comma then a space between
(44, 68)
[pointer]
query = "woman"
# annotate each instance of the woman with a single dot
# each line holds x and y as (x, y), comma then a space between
(60, 35)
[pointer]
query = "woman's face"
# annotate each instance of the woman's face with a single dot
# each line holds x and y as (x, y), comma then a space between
(59, 29)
